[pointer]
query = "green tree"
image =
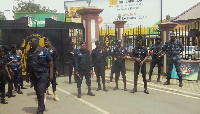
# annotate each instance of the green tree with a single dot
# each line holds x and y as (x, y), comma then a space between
(30, 6)
(2, 16)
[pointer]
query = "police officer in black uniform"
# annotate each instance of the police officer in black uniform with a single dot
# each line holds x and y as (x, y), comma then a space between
(15, 65)
(173, 48)
(52, 51)
(111, 51)
(3, 76)
(100, 64)
(83, 66)
(40, 68)
(119, 57)
(140, 54)
(156, 52)
(70, 56)
(10, 81)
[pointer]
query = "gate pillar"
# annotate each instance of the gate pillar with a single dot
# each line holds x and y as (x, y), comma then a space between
(165, 30)
(119, 28)
(89, 18)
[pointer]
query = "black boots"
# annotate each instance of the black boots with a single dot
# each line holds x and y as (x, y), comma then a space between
(146, 91)
(167, 82)
(125, 86)
(19, 91)
(116, 87)
(134, 90)
(180, 82)
(79, 92)
(69, 79)
(90, 92)
(99, 87)
(104, 87)
(3, 101)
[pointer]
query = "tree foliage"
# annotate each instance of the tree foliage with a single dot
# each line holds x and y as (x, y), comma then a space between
(30, 6)
(2, 16)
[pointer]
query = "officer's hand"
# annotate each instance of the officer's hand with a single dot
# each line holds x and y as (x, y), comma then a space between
(51, 77)
(76, 73)
(91, 72)
(115, 58)
(9, 76)
(106, 67)
(56, 73)
(141, 63)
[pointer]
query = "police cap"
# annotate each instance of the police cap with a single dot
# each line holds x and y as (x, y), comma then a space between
(172, 34)
(139, 38)
(13, 46)
(158, 38)
(46, 39)
(1, 49)
(119, 41)
(82, 42)
(6, 47)
(71, 43)
(97, 42)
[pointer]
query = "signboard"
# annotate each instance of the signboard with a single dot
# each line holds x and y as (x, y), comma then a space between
(135, 12)
(40, 18)
(190, 71)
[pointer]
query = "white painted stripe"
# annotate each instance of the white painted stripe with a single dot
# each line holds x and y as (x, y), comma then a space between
(171, 89)
(170, 92)
(85, 102)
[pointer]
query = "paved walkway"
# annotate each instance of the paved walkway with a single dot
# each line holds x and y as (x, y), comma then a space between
(189, 87)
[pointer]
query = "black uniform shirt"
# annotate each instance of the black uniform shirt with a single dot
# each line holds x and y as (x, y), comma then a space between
(140, 52)
(118, 54)
(99, 56)
(38, 63)
(52, 51)
(3, 62)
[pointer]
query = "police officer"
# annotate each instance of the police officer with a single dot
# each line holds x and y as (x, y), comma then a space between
(83, 66)
(52, 51)
(173, 48)
(113, 64)
(119, 58)
(3, 70)
(40, 68)
(140, 54)
(70, 56)
(10, 81)
(15, 65)
(156, 51)
(100, 64)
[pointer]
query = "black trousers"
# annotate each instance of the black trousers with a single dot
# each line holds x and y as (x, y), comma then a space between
(2, 83)
(40, 88)
(87, 75)
(53, 82)
(100, 72)
(153, 64)
(137, 68)
(17, 74)
(10, 84)
(118, 69)
(71, 66)
(112, 70)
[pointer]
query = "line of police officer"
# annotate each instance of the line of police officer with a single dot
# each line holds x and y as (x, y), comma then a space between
(83, 64)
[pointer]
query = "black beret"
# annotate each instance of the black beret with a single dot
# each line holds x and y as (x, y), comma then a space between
(82, 42)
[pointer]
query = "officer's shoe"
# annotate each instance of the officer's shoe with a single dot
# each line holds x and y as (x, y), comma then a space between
(166, 83)
(158, 80)
(90, 93)
(19, 92)
(125, 89)
(116, 88)
(149, 80)
(180, 84)
(6, 94)
(134, 90)
(99, 88)
(55, 96)
(105, 89)
(146, 91)
(11, 96)
(39, 112)
(3, 101)
(79, 92)
(49, 92)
